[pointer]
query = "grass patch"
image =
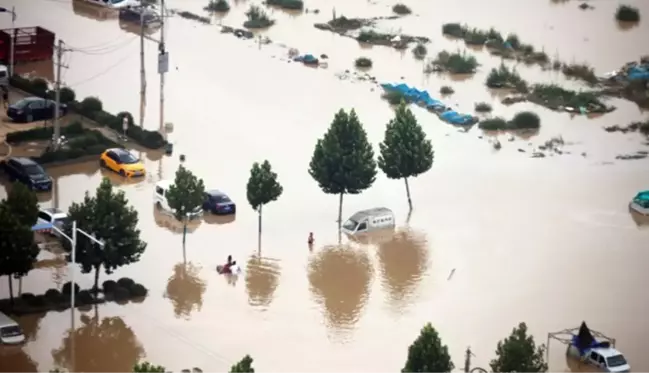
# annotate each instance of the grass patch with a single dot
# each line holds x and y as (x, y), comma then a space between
(555, 96)
(446, 90)
(217, 6)
(194, 17)
(580, 71)
(395, 98)
(343, 23)
(401, 9)
(363, 63)
(420, 51)
(483, 107)
(521, 121)
(503, 77)
(456, 63)
(626, 13)
(257, 18)
(373, 37)
(287, 4)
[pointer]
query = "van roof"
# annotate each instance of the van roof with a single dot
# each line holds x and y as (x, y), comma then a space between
(6, 320)
(377, 211)
(607, 352)
(164, 184)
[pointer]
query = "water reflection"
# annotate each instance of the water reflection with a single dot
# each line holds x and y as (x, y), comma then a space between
(135, 28)
(96, 13)
(340, 278)
(15, 359)
(164, 219)
(639, 219)
(404, 261)
(108, 345)
(185, 289)
(262, 279)
(219, 219)
(118, 180)
(372, 238)
(31, 324)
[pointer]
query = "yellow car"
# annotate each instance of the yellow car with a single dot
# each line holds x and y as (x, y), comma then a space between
(122, 162)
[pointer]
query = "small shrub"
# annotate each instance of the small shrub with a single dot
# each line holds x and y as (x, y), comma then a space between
(453, 29)
(495, 35)
(512, 39)
(373, 37)
(38, 301)
(581, 71)
(363, 63)
(503, 77)
(65, 289)
(40, 86)
(27, 298)
(138, 290)
(483, 107)
(121, 294)
(109, 286)
(456, 63)
(401, 9)
(526, 120)
(125, 282)
(419, 51)
(475, 37)
(67, 95)
(446, 90)
(217, 6)
(53, 295)
(395, 97)
(626, 13)
(493, 124)
(287, 4)
(257, 18)
(84, 297)
(91, 105)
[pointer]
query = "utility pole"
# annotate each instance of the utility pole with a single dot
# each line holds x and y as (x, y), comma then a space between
(163, 65)
(59, 65)
(142, 71)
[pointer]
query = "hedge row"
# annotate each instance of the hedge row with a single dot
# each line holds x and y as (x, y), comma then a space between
(91, 108)
(44, 133)
(91, 142)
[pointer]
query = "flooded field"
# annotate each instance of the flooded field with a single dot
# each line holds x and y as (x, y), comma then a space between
(547, 241)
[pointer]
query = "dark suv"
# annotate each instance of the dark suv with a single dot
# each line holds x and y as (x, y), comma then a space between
(27, 172)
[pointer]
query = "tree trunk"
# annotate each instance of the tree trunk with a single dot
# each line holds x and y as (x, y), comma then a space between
(96, 287)
(259, 229)
(408, 193)
(184, 231)
(11, 289)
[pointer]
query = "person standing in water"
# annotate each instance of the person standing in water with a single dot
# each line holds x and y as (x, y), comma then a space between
(310, 241)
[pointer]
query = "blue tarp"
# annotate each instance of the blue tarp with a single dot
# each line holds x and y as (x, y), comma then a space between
(415, 95)
(642, 196)
(584, 349)
(309, 58)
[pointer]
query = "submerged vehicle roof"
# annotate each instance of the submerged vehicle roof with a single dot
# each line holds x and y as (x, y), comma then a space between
(377, 211)
(643, 196)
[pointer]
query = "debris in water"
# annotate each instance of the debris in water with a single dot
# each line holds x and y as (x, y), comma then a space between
(451, 274)
(633, 156)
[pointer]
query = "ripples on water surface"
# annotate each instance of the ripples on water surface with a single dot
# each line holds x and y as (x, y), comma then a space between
(522, 234)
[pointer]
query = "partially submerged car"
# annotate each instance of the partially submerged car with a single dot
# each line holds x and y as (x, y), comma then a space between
(219, 203)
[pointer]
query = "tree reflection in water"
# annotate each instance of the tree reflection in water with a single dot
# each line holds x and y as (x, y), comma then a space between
(185, 289)
(17, 362)
(340, 279)
(262, 279)
(108, 345)
(404, 261)
(30, 324)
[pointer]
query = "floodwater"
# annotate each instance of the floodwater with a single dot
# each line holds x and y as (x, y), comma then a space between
(495, 237)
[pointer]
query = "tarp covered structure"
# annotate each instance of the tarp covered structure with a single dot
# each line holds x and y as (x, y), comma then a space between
(423, 97)
(643, 196)
(638, 73)
(585, 341)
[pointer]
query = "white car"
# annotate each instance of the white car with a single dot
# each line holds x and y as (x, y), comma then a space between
(114, 4)
(605, 359)
(52, 216)
(160, 199)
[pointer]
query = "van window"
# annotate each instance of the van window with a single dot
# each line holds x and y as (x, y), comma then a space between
(10, 331)
(594, 356)
(362, 226)
(159, 190)
(350, 225)
(616, 361)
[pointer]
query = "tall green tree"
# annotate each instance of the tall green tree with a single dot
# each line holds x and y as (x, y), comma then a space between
(428, 354)
(18, 251)
(262, 188)
(185, 196)
(147, 367)
(243, 366)
(343, 160)
(519, 353)
(405, 152)
(23, 204)
(109, 217)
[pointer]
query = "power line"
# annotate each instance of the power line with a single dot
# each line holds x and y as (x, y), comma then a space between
(103, 51)
(102, 72)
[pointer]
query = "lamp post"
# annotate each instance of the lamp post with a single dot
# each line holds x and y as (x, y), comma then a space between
(13, 37)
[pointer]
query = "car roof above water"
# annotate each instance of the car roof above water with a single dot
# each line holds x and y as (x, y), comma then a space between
(54, 212)
(24, 161)
(607, 351)
(377, 211)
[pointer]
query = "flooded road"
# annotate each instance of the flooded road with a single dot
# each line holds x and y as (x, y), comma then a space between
(547, 241)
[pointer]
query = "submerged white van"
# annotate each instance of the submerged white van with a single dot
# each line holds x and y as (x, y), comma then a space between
(160, 199)
(369, 220)
(10, 331)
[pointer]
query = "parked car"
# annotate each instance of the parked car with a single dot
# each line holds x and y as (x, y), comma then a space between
(219, 203)
(10, 331)
(52, 216)
(28, 172)
(32, 109)
(122, 162)
(161, 202)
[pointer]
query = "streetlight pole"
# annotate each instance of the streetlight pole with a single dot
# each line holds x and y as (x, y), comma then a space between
(13, 38)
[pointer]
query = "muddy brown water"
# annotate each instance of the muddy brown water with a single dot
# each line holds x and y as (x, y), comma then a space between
(547, 241)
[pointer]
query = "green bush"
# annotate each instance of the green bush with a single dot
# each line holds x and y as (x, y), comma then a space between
(475, 37)
(287, 4)
(526, 120)
(483, 107)
(138, 290)
(44, 133)
(27, 298)
(217, 6)
(121, 294)
(363, 62)
(580, 71)
(553, 95)
(626, 13)
(109, 286)
(503, 77)
(395, 97)
(493, 124)
(453, 29)
(446, 90)
(419, 51)
(456, 63)
(65, 289)
(401, 9)
(513, 40)
(40, 86)
(125, 282)
(84, 297)
(257, 18)
(53, 295)
(38, 301)
(67, 95)
(91, 105)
